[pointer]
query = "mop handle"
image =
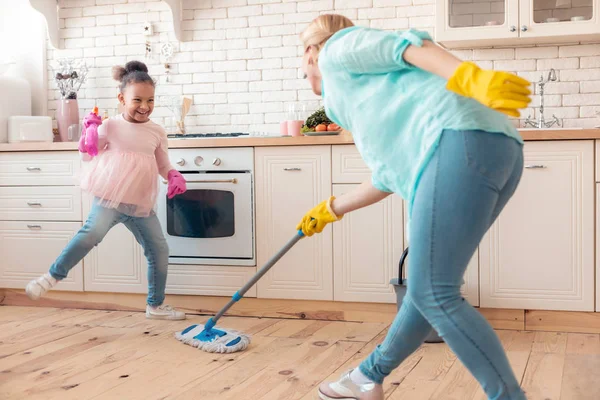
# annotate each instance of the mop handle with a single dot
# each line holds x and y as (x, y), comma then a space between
(240, 293)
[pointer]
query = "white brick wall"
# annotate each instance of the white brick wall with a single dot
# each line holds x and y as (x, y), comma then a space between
(242, 66)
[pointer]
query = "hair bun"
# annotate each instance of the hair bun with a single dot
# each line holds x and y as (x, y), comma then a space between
(133, 66)
(118, 73)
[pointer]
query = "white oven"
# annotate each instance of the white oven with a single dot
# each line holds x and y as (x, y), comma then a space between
(213, 222)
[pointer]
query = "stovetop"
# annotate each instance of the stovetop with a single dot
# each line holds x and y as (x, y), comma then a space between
(207, 135)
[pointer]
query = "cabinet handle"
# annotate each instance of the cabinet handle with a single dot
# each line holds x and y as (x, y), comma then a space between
(31, 169)
(293, 169)
(34, 204)
(535, 166)
(524, 28)
(513, 28)
(37, 227)
(234, 181)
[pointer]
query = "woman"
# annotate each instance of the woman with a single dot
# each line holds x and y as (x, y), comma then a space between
(432, 129)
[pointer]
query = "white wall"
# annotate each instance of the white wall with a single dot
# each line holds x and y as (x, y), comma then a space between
(241, 66)
(22, 38)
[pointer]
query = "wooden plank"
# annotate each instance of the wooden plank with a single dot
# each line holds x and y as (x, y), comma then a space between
(208, 305)
(323, 330)
(543, 375)
(423, 381)
(562, 321)
(583, 343)
(391, 383)
(9, 314)
(550, 342)
(582, 360)
(504, 318)
(291, 380)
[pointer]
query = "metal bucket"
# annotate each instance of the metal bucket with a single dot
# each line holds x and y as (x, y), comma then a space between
(400, 289)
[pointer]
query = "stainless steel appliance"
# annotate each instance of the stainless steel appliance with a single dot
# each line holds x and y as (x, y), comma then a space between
(213, 222)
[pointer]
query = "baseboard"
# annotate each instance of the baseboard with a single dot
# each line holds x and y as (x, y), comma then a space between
(261, 308)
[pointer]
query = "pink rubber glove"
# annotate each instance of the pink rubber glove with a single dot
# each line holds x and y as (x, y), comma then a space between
(88, 143)
(176, 184)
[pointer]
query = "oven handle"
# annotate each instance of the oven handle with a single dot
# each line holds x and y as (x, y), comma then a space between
(234, 181)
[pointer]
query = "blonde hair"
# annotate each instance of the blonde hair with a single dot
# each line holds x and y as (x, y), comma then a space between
(321, 29)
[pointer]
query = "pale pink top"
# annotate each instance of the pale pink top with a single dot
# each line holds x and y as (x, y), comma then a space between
(125, 173)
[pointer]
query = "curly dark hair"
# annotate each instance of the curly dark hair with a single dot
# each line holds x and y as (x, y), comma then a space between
(132, 72)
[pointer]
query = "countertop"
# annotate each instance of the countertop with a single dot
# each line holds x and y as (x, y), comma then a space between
(527, 134)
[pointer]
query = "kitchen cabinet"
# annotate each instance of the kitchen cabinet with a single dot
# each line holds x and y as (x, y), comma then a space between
(467, 24)
(28, 250)
(540, 252)
(289, 182)
(367, 245)
(117, 264)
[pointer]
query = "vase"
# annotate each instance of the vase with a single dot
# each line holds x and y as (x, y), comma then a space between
(67, 115)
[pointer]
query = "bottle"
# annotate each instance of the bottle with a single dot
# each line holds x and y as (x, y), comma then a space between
(105, 116)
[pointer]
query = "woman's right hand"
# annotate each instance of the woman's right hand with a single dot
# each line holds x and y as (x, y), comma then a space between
(317, 218)
(501, 91)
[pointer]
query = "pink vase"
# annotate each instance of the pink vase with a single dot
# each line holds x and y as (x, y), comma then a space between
(67, 114)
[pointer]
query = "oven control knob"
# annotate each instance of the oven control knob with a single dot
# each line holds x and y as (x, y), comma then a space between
(198, 160)
(181, 162)
(217, 162)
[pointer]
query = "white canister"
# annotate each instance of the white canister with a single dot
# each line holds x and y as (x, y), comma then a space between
(30, 129)
(15, 99)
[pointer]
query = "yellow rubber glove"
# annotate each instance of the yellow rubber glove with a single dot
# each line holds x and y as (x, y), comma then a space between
(316, 219)
(501, 91)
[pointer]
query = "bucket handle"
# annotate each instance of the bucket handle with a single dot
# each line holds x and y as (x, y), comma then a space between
(401, 264)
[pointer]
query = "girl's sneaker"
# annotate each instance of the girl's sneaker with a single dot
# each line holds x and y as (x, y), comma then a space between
(346, 389)
(38, 287)
(164, 312)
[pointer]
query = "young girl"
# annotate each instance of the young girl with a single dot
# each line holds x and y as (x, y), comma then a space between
(124, 182)
(444, 144)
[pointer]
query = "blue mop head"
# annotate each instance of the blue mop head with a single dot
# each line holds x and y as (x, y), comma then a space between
(207, 338)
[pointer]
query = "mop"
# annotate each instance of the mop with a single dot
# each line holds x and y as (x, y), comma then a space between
(212, 340)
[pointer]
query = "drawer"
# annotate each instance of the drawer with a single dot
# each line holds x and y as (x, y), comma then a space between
(54, 203)
(40, 169)
(347, 166)
(29, 248)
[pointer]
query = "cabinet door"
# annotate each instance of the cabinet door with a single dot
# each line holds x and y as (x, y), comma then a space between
(28, 250)
(540, 252)
(367, 245)
(117, 264)
(553, 18)
(461, 21)
(289, 182)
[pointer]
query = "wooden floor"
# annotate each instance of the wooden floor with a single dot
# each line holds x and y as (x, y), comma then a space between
(66, 354)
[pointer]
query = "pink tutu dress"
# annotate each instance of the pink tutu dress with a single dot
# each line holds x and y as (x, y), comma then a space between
(124, 175)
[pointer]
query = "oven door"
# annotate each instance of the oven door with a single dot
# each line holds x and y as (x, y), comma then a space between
(212, 221)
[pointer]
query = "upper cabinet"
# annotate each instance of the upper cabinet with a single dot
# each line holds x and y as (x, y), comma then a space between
(473, 23)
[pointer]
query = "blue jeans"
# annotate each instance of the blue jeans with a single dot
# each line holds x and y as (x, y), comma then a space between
(468, 181)
(147, 232)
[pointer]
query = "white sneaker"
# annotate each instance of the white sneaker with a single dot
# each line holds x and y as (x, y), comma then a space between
(164, 312)
(38, 287)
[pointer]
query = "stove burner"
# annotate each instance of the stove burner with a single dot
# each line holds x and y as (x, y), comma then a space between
(207, 135)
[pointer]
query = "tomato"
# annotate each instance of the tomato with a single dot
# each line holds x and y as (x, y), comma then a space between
(333, 127)
(321, 128)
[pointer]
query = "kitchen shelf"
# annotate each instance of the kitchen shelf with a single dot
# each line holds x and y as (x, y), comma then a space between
(49, 9)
